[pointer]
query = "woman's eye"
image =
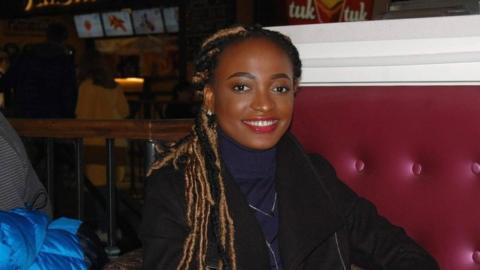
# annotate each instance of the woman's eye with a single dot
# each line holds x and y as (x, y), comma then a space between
(281, 89)
(240, 88)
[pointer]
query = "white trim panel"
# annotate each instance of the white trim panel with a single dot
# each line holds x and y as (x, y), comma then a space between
(408, 51)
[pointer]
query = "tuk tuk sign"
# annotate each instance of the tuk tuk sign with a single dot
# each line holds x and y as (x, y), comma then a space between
(325, 11)
(32, 5)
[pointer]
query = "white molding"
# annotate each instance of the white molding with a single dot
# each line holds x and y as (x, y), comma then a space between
(440, 50)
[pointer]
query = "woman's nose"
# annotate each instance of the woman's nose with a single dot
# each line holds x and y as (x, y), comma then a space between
(262, 101)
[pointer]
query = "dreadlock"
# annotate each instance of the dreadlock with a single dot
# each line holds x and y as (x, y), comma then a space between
(204, 186)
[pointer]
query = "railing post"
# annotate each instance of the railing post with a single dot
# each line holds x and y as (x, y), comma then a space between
(131, 153)
(149, 154)
(79, 169)
(111, 249)
(50, 172)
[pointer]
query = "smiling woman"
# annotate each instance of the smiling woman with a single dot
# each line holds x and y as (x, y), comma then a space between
(253, 93)
(240, 193)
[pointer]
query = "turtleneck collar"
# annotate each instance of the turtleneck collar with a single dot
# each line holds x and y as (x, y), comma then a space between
(254, 172)
(246, 163)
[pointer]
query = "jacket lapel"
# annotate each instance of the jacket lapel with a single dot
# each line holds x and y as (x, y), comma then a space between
(249, 240)
(307, 213)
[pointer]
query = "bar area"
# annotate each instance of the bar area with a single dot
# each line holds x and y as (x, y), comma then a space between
(100, 99)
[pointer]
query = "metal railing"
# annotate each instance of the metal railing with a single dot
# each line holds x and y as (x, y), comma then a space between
(77, 130)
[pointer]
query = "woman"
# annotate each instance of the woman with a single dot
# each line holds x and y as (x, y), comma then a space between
(99, 97)
(240, 193)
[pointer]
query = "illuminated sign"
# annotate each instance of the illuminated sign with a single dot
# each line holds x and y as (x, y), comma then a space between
(40, 4)
(325, 11)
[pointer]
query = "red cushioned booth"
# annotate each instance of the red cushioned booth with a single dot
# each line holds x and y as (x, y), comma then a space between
(412, 150)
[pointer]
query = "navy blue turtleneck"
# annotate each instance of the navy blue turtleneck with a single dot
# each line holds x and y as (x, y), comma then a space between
(254, 173)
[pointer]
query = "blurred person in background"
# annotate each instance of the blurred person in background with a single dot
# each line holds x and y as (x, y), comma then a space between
(42, 84)
(29, 237)
(100, 98)
(43, 78)
(19, 184)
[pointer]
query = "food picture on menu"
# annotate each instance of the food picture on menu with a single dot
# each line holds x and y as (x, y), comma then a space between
(117, 24)
(88, 25)
(148, 21)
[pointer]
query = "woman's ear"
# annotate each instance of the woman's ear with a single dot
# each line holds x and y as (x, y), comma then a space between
(208, 98)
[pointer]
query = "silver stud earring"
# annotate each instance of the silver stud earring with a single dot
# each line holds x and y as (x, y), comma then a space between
(209, 113)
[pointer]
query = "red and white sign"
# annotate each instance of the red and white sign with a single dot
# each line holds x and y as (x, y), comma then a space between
(323, 11)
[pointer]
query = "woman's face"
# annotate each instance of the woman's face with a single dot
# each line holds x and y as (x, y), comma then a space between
(252, 93)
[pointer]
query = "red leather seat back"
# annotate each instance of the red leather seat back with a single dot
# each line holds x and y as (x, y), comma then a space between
(413, 151)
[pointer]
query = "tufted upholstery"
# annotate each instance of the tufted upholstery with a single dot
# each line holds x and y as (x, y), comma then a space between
(414, 151)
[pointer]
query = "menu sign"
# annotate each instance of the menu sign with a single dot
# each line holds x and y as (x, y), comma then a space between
(324, 11)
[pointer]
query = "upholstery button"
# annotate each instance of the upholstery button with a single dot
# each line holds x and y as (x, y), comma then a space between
(476, 168)
(476, 256)
(360, 166)
(417, 169)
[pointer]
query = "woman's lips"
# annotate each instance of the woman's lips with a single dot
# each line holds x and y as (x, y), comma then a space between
(261, 125)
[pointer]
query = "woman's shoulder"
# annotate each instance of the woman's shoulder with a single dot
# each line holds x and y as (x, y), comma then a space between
(164, 202)
(165, 176)
(328, 176)
(322, 165)
(290, 144)
(166, 182)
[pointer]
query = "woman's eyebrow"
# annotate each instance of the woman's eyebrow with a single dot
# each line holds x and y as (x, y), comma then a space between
(242, 74)
(280, 76)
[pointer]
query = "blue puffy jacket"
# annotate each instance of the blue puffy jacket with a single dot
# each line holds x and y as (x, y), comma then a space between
(29, 241)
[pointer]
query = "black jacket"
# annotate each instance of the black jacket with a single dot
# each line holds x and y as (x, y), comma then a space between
(323, 224)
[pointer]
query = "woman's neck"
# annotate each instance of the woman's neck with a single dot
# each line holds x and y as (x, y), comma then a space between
(243, 162)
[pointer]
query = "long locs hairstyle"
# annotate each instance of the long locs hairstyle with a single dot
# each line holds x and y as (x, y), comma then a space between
(206, 203)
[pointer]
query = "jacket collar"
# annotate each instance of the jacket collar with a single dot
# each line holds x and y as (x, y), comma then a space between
(307, 212)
